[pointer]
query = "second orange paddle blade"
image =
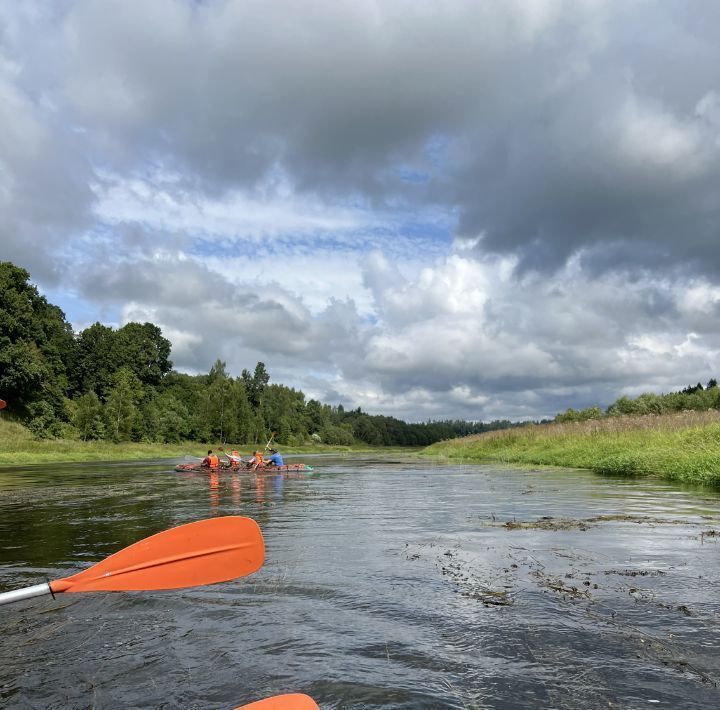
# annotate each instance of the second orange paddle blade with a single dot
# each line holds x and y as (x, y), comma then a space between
(292, 701)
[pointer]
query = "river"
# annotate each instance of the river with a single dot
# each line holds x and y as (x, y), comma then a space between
(388, 583)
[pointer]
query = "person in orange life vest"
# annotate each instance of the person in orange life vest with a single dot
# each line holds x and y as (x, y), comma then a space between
(234, 458)
(210, 461)
(256, 460)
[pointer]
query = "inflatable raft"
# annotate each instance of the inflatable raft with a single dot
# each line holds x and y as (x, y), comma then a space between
(243, 468)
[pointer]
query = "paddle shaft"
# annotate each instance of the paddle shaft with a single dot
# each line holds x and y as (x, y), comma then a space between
(16, 595)
(267, 446)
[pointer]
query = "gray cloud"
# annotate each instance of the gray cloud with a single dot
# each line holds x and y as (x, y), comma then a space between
(576, 143)
(44, 190)
(207, 316)
(562, 131)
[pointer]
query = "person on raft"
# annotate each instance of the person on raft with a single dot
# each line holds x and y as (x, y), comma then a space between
(256, 460)
(210, 461)
(275, 459)
(234, 458)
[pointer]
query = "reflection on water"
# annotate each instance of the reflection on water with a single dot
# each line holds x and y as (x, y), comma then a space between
(387, 584)
(214, 480)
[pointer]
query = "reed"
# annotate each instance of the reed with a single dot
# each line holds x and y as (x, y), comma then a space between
(681, 446)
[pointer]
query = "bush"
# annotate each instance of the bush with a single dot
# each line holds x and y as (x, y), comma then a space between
(43, 423)
(336, 435)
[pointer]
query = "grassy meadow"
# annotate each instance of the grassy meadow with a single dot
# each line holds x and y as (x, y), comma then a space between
(682, 446)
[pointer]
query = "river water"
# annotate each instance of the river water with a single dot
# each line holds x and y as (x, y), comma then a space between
(393, 583)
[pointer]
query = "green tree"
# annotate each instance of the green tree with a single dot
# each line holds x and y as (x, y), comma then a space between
(623, 405)
(174, 422)
(366, 430)
(37, 347)
(121, 410)
(143, 349)
(338, 435)
(98, 358)
(217, 372)
(23, 372)
(283, 409)
(243, 429)
(316, 416)
(217, 401)
(42, 421)
(88, 417)
(255, 384)
(101, 351)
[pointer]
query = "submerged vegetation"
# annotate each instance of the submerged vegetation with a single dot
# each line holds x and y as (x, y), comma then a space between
(679, 446)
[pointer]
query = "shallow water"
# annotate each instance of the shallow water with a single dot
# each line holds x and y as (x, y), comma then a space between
(387, 584)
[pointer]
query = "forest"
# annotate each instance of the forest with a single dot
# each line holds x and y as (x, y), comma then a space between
(120, 385)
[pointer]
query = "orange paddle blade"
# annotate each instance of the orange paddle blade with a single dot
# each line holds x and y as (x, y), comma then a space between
(204, 552)
(292, 701)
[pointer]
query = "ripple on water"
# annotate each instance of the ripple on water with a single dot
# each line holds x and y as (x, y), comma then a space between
(387, 584)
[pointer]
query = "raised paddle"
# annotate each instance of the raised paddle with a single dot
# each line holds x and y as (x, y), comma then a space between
(292, 701)
(203, 552)
(267, 446)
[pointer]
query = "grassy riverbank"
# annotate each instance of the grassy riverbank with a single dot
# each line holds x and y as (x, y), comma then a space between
(17, 445)
(684, 446)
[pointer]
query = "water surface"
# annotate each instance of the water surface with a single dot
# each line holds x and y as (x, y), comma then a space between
(387, 584)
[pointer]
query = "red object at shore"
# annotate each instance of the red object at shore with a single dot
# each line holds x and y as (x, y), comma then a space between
(3, 404)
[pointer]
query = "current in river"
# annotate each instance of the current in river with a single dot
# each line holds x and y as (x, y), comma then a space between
(388, 583)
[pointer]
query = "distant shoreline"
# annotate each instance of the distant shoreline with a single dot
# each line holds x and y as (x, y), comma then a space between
(18, 447)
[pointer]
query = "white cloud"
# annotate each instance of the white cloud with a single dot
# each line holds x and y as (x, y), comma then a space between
(284, 182)
(649, 135)
(455, 337)
(172, 207)
(700, 297)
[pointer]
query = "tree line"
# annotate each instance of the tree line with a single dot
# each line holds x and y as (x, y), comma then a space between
(693, 397)
(119, 385)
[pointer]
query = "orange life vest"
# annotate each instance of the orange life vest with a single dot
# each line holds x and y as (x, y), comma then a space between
(214, 461)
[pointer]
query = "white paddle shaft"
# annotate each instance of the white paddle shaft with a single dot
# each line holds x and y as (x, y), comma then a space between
(37, 590)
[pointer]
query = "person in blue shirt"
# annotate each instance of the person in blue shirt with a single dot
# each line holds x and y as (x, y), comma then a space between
(275, 459)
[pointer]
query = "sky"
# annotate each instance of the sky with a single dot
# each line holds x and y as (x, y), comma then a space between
(462, 209)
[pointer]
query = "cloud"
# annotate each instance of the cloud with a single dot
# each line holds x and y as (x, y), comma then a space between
(461, 337)
(44, 195)
(469, 209)
(542, 127)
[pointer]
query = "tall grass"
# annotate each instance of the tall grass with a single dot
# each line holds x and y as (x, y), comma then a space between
(681, 446)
